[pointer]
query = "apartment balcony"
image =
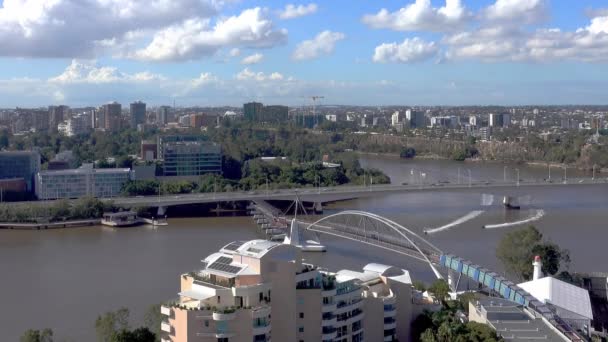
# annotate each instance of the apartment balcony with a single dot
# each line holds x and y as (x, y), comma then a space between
(329, 322)
(329, 292)
(356, 304)
(388, 326)
(391, 313)
(224, 316)
(216, 335)
(389, 300)
(328, 307)
(166, 327)
(164, 339)
(329, 335)
(259, 330)
(165, 310)
(388, 338)
(260, 311)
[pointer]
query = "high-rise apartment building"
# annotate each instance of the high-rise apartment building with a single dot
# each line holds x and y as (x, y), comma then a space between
(57, 114)
(112, 115)
(137, 114)
(252, 111)
(163, 115)
(252, 290)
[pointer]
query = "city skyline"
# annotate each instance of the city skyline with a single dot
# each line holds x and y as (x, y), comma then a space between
(210, 53)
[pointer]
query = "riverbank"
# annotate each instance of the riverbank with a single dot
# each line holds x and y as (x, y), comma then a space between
(535, 164)
(50, 225)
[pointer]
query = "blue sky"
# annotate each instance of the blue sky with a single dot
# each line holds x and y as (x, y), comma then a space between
(225, 52)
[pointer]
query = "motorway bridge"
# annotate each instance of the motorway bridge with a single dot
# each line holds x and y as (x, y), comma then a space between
(331, 194)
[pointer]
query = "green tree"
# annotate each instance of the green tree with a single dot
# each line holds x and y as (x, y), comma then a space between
(138, 335)
(45, 335)
(153, 319)
(110, 323)
(440, 290)
(408, 153)
(428, 336)
(418, 285)
(517, 250)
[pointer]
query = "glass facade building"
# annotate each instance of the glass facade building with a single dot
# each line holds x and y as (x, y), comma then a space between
(189, 156)
(81, 182)
(20, 164)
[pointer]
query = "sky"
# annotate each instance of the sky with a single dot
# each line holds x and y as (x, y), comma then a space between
(227, 52)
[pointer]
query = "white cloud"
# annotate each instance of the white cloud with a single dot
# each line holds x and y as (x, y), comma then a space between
(294, 11)
(89, 72)
(409, 51)
(598, 25)
(248, 75)
(420, 16)
(516, 11)
(70, 28)
(234, 52)
(323, 44)
(194, 38)
(252, 59)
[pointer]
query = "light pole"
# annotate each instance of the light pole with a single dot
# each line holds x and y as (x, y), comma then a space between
(458, 175)
(504, 174)
(565, 174)
(371, 182)
(470, 182)
(549, 172)
(593, 178)
(266, 184)
(517, 177)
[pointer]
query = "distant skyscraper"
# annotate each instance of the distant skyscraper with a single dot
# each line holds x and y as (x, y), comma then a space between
(57, 114)
(495, 120)
(112, 113)
(162, 115)
(473, 120)
(138, 113)
(253, 110)
(415, 118)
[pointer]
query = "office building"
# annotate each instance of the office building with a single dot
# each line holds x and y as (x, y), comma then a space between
(81, 182)
(137, 114)
(40, 120)
(499, 120)
(57, 114)
(20, 164)
(112, 115)
(250, 291)
(253, 111)
(189, 155)
(163, 115)
(416, 119)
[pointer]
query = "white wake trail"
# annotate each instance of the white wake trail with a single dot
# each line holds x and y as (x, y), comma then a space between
(465, 218)
(535, 217)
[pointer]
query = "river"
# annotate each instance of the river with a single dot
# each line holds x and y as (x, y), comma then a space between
(63, 279)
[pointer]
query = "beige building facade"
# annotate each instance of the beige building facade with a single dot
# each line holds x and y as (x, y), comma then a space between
(261, 291)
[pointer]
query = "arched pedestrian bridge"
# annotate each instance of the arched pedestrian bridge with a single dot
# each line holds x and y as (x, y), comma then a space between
(372, 229)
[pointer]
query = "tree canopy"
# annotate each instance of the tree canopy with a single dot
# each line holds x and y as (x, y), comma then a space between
(517, 250)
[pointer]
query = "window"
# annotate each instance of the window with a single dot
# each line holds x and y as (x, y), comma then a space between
(301, 329)
(301, 315)
(219, 299)
(206, 324)
(261, 296)
(222, 339)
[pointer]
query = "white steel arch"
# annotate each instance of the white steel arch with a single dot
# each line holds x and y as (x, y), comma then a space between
(402, 231)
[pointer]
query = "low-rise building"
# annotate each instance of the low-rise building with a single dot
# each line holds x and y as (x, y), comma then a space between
(81, 182)
(252, 290)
